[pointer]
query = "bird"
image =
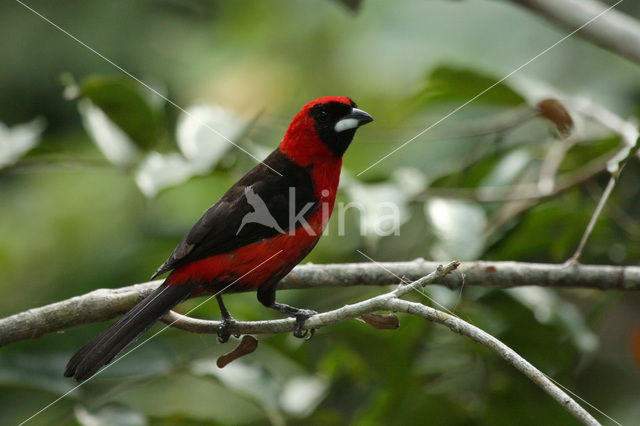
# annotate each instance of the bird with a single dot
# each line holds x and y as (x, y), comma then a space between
(225, 252)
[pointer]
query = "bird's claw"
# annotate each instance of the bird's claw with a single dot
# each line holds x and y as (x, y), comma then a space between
(223, 330)
(301, 317)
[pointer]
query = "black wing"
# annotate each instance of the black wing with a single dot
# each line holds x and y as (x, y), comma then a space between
(217, 230)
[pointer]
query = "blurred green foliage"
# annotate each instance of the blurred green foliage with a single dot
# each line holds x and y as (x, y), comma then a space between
(125, 105)
(72, 221)
(454, 85)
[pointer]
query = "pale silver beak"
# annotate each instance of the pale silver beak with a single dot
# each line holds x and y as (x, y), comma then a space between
(355, 118)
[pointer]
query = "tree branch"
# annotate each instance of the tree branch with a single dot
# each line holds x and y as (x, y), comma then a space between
(80, 309)
(392, 301)
(104, 304)
(614, 31)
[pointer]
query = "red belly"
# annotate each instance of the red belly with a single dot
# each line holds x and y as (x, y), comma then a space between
(254, 264)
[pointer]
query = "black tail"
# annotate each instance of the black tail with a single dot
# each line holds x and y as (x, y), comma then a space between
(104, 347)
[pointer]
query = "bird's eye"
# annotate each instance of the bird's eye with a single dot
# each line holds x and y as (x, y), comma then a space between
(323, 117)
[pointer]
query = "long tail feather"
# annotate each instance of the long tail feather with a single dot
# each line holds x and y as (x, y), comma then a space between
(104, 347)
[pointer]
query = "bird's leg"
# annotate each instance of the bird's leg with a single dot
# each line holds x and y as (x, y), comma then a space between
(268, 298)
(227, 321)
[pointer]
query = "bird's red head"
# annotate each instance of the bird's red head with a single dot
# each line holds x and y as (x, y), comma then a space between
(323, 129)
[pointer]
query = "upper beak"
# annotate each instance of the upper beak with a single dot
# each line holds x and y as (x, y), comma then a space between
(355, 118)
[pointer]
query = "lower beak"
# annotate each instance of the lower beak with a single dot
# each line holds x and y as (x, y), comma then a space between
(354, 119)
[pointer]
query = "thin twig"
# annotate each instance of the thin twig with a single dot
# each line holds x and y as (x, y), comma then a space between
(615, 167)
(524, 191)
(390, 302)
(592, 222)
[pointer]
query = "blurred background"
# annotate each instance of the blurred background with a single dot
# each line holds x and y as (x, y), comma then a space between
(100, 177)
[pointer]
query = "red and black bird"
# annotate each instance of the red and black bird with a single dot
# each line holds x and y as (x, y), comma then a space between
(297, 184)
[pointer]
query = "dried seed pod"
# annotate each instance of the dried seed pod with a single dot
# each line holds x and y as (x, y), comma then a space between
(247, 345)
(554, 111)
(382, 322)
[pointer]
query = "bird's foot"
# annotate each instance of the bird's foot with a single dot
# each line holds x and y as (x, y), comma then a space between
(223, 330)
(301, 316)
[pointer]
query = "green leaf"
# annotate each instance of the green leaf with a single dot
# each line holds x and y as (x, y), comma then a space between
(461, 85)
(125, 105)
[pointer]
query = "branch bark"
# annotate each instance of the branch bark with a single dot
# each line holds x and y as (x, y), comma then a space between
(614, 31)
(104, 304)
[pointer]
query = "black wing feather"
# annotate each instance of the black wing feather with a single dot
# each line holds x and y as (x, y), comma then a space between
(215, 232)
